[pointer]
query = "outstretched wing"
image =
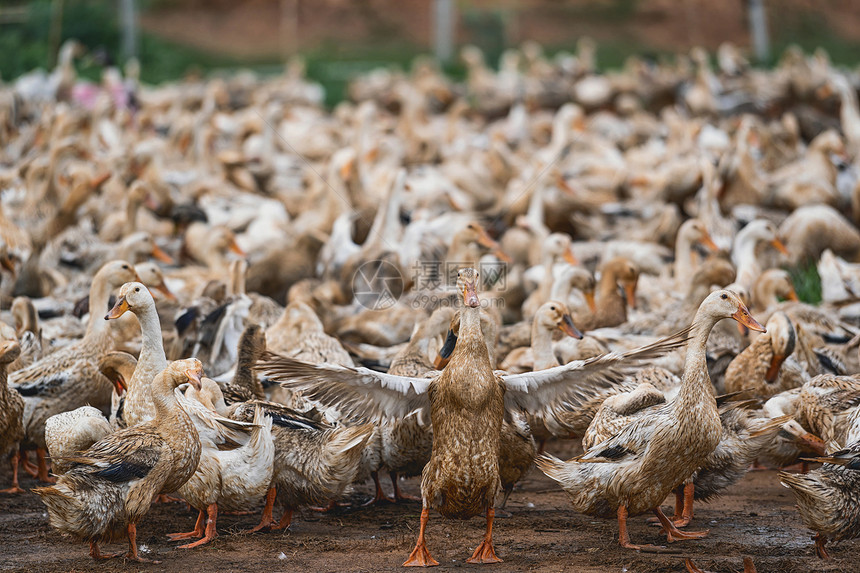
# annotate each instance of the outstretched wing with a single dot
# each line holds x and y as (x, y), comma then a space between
(546, 391)
(356, 392)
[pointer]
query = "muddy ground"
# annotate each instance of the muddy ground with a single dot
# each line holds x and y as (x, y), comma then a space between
(756, 517)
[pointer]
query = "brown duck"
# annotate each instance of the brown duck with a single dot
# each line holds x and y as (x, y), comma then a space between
(467, 403)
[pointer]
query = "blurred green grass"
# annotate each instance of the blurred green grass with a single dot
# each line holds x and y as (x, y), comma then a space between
(25, 45)
(807, 282)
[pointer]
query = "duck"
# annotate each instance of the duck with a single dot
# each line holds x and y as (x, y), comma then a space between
(766, 367)
(70, 378)
(11, 406)
(552, 316)
(29, 333)
(314, 462)
(68, 433)
(236, 459)
(771, 286)
(826, 404)
(745, 254)
(811, 229)
(300, 333)
(611, 307)
(466, 402)
(826, 497)
(630, 472)
(111, 485)
(135, 297)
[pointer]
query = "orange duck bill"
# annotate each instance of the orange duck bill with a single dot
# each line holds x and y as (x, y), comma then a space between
(566, 326)
(120, 307)
(744, 317)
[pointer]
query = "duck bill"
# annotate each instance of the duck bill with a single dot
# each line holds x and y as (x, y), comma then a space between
(742, 315)
(792, 296)
(236, 249)
(566, 326)
(159, 254)
(194, 376)
(630, 293)
(589, 300)
(812, 443)
(346, 170)
(502, 256)
(570, 257)
(7, 263)
(470, 295)
(779, 246)
(120, 307)
(486, 241)
(562, 184)
(773, 369)
(708, 242)
(162, 288)
(119, 385)
(100, 179)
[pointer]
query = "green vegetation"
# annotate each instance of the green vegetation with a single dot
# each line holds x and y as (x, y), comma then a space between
(806, 282)
(26, 43)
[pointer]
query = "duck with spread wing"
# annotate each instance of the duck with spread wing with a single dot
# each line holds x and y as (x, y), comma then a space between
(467, 402)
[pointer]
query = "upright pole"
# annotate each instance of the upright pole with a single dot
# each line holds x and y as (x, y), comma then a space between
(443, 12)
(758, 26)
(128, 24)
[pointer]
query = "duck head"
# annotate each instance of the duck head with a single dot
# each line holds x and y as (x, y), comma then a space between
(725, 303)
(554, 314)
(132, 295)
(783, 338)
(467, 284)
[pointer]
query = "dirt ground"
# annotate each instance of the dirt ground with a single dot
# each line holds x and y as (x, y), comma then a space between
(756, 517)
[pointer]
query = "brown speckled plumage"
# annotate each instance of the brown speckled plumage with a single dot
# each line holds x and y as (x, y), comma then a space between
(11, 404)
(639, 465)
(466, 409)
(827, 498)
(112, 484)
(70, 377)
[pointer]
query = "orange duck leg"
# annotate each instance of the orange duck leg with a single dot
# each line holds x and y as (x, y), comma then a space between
(42, 474)
(624, 536)
(398, 493)
(132, 554)
(267, 520)
(211, 532)
(485, 553)
(420, 556)
(16, 488)
(672, 532)
(196, 533)
(28, 466)
(379, 496)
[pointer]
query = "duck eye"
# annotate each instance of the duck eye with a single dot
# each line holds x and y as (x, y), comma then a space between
(125, 267)
(136, 289)
(552, 308)
(724, 296)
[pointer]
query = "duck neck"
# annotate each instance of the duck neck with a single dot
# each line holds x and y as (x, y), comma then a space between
(542, 347)
(152, 348)
(470, 340)
(245, 376)
(561, 289)
(163, 400)
(696, 384)
(99, 297)
(683, 260)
